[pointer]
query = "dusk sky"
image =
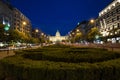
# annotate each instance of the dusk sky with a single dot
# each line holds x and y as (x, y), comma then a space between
(62, 15)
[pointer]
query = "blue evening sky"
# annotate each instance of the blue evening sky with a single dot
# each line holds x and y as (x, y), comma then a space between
(62, 15)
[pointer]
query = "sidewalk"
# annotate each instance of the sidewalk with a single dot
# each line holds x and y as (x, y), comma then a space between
(4, 54)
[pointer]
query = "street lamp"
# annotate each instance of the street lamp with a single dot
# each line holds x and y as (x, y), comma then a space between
(36, 30)
(23, 24)
(42, 34)
(92, 21)
(36, 33)
(77, 30)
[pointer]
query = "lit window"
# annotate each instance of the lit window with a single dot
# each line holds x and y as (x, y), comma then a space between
(115, 26)
(111, 28)
(115, 32)
(118, 17)
(111, 33)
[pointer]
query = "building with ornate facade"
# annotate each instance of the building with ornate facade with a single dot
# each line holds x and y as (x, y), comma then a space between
(109, 22)
(57, 37)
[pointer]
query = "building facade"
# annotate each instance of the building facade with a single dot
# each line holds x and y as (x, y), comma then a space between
(109, 22)
(6, 13)
(14, 18)
(57, 37)
(21, 22)
(80, 32)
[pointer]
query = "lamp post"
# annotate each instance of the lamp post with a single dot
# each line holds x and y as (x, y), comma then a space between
(77, 30)
(92, 21)
(23, 24)
(36, 33)
(36, 30)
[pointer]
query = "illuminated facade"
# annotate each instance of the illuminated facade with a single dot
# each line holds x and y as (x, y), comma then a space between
(21, 22)
(109, 22)
(12, 17)
(57, 37)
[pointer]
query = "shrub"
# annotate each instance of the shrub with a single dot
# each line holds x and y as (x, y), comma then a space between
(62, 64)
(71, 55)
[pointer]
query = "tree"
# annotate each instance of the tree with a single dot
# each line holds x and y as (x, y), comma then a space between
(14, 35)
(33, 40)
(91, 36)
(78, 36)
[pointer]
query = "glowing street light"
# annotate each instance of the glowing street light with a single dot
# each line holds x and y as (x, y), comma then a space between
(42, 34)
(97, 37)
(36, 30)
(77, 30)
(92, 21)
(24, 23)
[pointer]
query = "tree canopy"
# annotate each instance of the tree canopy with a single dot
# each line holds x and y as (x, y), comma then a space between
(91, 36)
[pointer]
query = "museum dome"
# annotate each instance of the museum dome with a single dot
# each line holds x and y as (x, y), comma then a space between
(57, 33)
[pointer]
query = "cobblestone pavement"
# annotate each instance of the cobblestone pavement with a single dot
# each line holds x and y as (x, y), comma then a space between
(4, 54)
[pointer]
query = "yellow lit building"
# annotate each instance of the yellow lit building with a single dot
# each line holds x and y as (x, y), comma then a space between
(57, 37)
(109, 22)
(21, 22)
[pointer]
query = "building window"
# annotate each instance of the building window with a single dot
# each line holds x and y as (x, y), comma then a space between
(14, 23)
(118, 17)
(113, 20)
(107, 15)
(111, 13)
(108, 28)
(113, 27)
(117, 10)
(111, 33)
(115, 32)
(118, 25)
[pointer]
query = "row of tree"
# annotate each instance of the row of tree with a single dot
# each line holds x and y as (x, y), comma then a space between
(92, 35)
(17, 36)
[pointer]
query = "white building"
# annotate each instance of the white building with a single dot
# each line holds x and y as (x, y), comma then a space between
(109, 20)
(57, 37)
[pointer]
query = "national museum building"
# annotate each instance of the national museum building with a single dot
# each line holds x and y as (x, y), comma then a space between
(57, 37)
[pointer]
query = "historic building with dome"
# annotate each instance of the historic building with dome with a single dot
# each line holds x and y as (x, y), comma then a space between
(57, 37)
